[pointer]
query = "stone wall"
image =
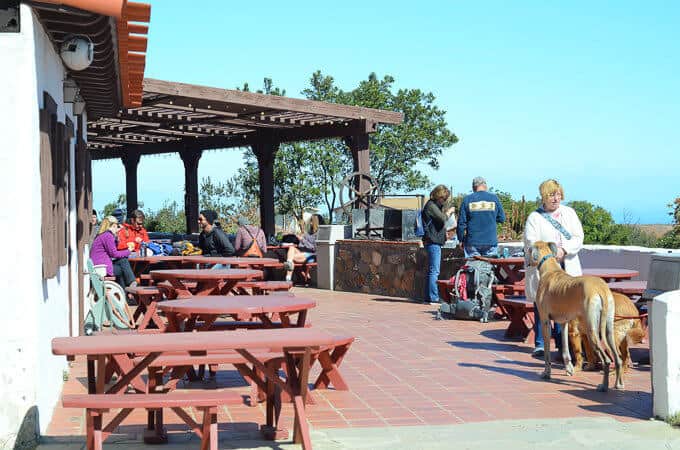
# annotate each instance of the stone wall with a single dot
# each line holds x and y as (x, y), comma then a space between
(390, 268)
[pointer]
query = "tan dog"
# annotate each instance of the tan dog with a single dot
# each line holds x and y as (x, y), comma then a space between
(626, 331)
(563, 298)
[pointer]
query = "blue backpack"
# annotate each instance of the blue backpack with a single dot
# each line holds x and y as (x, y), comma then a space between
(160, 249)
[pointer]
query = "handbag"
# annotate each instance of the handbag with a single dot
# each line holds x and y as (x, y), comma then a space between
(253, 250)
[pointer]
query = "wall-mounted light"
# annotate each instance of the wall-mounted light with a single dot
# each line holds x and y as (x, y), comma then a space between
(71, 90)
(78, 105)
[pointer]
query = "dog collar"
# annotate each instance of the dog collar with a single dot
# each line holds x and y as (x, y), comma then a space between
(544, 259)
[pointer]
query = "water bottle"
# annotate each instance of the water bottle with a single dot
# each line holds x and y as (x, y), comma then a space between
(506, 252)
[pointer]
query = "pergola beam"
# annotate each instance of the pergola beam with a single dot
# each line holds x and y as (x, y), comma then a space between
(240, 140)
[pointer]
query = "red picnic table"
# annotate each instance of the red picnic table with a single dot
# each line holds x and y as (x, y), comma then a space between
(240, 307)
(507, 270)
(610, 275)
(140, 264)
(208, 281)
(234, 261)
(119, 351)
(629, 287)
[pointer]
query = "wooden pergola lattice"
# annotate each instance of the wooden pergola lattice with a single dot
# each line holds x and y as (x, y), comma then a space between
(187, 119)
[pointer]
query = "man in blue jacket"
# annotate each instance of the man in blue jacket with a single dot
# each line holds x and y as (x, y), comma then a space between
(479, 213)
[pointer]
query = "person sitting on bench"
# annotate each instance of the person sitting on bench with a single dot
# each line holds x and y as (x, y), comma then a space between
(104, 252)
(305, 252)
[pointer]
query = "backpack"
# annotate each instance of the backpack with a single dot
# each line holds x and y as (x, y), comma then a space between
(108, 304)
(471, 295)
(159, 249)
(253, 249)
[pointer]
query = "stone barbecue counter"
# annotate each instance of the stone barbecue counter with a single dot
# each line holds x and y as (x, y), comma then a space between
(390, 268)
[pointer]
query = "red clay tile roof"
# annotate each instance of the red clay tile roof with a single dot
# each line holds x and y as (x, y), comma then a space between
(131, 40)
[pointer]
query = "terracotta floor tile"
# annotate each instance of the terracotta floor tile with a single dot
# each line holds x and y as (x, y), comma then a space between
(405, 368)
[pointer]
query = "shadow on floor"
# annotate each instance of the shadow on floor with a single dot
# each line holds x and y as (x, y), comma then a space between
(396, 300)
(622, 403)
(527, 374)
(231, 435)
(491, 346)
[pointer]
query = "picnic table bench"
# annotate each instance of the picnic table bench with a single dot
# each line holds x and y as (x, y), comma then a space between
(208, 281)
(120, 351)
(147, 298)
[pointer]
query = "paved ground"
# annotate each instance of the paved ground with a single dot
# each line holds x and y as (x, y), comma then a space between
(421, 383)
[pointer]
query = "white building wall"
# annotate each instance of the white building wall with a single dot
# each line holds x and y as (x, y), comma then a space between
(34, 310)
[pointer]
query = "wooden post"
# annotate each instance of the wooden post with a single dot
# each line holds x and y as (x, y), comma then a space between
(265, 151)
(131, 161)
(359, 145)
(190, 158)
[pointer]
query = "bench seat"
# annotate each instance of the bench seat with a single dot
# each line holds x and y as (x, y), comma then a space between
(174, 399)
(97, 404)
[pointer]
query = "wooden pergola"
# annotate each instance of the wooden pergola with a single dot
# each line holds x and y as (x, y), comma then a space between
(188, 119)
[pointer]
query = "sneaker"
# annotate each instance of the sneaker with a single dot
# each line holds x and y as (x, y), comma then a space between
(538, 352)
(289, 266)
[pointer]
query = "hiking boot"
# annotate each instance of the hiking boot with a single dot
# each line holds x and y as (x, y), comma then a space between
(289, 266)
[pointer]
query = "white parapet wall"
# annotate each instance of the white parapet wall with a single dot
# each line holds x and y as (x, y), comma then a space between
(664, 343)
(610, 256)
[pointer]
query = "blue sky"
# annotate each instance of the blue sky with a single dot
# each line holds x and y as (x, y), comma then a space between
(584, 92)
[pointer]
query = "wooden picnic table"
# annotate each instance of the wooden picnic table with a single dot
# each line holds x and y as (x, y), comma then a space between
(507, 270)
(208, 281)
(234, 261)
(629, 287)
(119, 351)
(610, 275)
(140, 264)
(239, 307)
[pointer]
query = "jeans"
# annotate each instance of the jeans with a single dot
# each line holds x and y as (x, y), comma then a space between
(434, 257)
(221, 266)
(481, 250)
(123, 272)
(538, 330)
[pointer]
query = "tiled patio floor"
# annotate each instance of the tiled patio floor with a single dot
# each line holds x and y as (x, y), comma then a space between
(405, 368)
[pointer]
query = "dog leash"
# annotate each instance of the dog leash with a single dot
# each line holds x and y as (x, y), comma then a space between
(641, 316)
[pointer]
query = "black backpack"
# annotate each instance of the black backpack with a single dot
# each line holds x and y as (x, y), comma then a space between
(471, 294)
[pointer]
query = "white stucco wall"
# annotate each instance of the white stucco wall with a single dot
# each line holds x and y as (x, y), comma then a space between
(34, 310)
(664, 342)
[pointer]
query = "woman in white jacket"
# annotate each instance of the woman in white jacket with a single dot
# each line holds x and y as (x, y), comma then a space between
(552, 222)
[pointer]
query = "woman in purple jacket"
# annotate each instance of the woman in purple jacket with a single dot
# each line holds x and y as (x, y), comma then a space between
(104, 252)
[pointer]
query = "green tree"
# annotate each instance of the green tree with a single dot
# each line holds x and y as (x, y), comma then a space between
(598, 224)
(309, 173)
(672, 238)
(170, 218)
(120, 202)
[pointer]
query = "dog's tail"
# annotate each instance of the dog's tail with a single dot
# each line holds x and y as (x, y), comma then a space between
(607, 321)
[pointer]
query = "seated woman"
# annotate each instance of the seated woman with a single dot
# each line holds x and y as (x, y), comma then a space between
(250, 239)
(132, 234)
(104, 251)
(306, 249)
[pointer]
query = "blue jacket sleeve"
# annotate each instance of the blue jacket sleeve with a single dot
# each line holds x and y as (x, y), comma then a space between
(500, 213)
(462, 222)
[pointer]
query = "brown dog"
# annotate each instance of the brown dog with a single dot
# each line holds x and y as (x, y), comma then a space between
(563, 298)
(626, 331)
